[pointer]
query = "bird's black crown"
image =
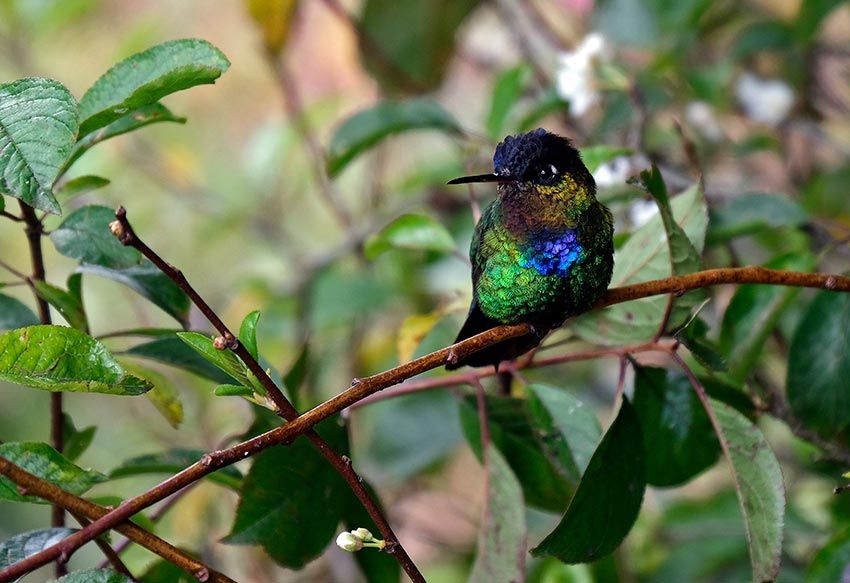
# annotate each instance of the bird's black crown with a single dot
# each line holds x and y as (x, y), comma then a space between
(534, 155)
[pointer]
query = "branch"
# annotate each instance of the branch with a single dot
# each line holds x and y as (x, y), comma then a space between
(34, 486)
(342, 464)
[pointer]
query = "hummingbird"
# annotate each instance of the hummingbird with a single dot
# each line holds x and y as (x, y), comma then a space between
(542, 251)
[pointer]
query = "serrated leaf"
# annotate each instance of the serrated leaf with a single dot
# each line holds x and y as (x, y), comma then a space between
(55, 358)
(608, 498)
(84, 235)
(366, 128)
(80, 186)
(173, 461)
(644, 256)
(760, 489)
(819, 364)
(506, 92)
(753, 212)
(65, 302)
(146, 77)
(172, 351)
(412, 232)
(678, 438)
(75, 441)
(21, 546)
(94, 576)
(38, 127)
(15, 314)
(223, 359)
(274, 502)
(149, 282)
(48, 464)
(248, 333)
(501, 539)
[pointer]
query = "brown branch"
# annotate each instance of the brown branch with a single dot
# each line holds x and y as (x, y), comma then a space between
(10, 216)
(112, 557)
(342, 464)
(34, 486)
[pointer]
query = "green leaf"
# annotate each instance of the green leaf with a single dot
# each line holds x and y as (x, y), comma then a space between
(15, 314)
(38, 127)
(594, 156)
(291, 499)
(812, 13)
(84, 235)
(830, 564)
(173, 461)
(502, 534)
(48, 464)
(754, 313)
(94, 576)
(163, 396)
(172, 351)
(767, 35)
(149, 282)
(819, 364)
(366, 128)
(694, 336)
(413, 232)
(76, 441)
(21, 546)
(223, 359)
(761, 492)
(570, 430)
(146, 77)
(753, 212)
(65, 302)
(79, 186)
(678, 438)
(138, 118)
(506, 92)
(407, 44)
(233, 391)
(55, 358)
(248, 333)
(163, 571)
(545, 484)
(644, 256)
(608, 498)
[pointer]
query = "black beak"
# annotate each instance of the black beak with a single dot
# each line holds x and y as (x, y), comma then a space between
(484, 178)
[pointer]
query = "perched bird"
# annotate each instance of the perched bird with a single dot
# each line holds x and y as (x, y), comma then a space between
(542, 251)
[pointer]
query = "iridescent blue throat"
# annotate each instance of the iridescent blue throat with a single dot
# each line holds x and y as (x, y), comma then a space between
(552, 255)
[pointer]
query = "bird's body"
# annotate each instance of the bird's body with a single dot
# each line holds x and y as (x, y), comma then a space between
(542, 251)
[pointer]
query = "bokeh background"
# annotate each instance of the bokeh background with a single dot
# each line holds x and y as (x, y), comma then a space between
(238, 199)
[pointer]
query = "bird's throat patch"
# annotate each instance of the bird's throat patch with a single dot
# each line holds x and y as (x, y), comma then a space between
(552, 255)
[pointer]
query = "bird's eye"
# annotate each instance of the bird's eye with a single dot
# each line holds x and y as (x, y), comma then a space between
(548, 172)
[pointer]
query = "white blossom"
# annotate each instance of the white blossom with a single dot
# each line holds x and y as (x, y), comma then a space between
(576, 79)
(700, 115)
(764, 100)
(348, 542)
(613, 173)
(640, 211)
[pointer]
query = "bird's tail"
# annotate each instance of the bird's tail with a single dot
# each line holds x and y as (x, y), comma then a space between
(477, 322)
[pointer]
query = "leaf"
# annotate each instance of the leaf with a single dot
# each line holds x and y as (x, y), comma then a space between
(138, 118)
(84, 235)
(412, 330)
(595, 156)
(21, 546)
(75, 441)
(146, 77)
(694, 337)
(223, 359)
(501, 539)
(761, 493)
(644, 256)
(819, 364)
(754, 313)
(15, 314)
(55, 358)
(173, 461)
(608, 498)
(366, 128)
(233, 391)
(407, 44)
(94, 576)
(767, 35)
(79, 186)
(750, 213)
(568, 430)
(65, 302)
(290, 500)
(48, 464)
(163, 396)
(506, 92)
(412, 232)
(163, 571)
(274, 19)
(812, 13)
(38, 127)
(248, 333)
(830, 564)
(678, 438)
(149, 282)
(172, 351)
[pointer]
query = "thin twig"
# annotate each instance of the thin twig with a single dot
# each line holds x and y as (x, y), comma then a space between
(10, 216)
(14, 271)
(112, 557)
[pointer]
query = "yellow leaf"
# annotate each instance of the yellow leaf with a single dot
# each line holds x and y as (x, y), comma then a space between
(163, 395)
(274, 19)
(416, 327)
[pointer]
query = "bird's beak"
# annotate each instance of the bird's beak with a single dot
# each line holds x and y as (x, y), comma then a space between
(484, 178)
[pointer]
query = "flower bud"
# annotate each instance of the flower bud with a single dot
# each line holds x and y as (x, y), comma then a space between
(363, 534)
(348, 542)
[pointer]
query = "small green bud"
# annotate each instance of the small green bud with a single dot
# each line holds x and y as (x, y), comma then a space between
(363, 534)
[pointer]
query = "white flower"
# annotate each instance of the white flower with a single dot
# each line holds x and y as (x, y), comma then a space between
(640, 211)
(613, 173)
(764, 100)
(700, 116)
(575, 78)
(348, 542)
